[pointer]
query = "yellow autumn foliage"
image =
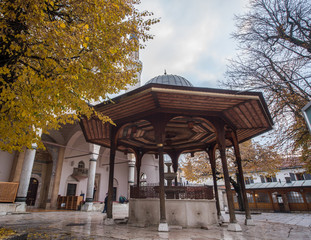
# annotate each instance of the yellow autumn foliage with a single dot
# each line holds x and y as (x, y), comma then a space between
(57, 56)
(255, 158)
(6, 233)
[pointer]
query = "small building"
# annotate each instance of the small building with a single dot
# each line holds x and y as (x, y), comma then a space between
(289, 189)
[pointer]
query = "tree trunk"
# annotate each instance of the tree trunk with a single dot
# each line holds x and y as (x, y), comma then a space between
(237, 189)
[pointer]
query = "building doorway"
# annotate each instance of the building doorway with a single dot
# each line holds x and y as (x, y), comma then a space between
(96, 187)
(71, 189)
(32, 192)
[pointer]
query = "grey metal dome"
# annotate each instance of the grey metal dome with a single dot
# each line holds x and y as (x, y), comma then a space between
(170, 79)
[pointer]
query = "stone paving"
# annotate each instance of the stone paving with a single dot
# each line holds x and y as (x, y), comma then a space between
(299, 219)
(90, 225)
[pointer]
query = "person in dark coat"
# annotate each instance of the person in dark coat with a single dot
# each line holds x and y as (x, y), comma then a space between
(105, 202)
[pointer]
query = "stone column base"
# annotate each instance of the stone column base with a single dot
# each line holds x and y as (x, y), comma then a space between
(163, 227)
(221, 219)
(249, 222)
(20, 206)
(234, 227)
(108, 221)
(87, 207)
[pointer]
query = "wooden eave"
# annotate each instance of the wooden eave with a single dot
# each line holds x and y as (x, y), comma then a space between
(246, 112)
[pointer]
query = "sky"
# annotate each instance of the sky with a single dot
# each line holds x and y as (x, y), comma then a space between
(192, 40)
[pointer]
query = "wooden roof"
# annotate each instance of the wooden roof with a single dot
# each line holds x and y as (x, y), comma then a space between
(191, 110)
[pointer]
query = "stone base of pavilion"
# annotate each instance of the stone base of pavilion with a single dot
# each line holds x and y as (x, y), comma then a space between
(179, 212)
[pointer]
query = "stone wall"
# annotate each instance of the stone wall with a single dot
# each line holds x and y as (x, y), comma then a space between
(185, 213)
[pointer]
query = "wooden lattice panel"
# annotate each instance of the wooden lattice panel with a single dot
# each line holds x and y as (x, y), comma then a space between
(8, 191)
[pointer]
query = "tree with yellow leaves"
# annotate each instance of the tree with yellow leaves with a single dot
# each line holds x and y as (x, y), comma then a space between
(58, 56)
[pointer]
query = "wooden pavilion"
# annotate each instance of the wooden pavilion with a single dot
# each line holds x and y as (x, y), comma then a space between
(169, 115)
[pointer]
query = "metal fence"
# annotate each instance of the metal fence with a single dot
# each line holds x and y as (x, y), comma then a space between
(173, 192)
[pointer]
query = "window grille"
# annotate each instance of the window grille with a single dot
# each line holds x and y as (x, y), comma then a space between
(308, 197)
(235, 197)
(299, 176)
(262, 197)
(288, 180)
(81, 164)
(248, 180)
(294, 197)
(292, 177)
(250, 197)
(262, 178)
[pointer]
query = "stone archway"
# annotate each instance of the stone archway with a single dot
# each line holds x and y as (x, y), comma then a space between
(32, 192)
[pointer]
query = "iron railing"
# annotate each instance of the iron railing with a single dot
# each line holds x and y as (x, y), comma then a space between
(173, 192)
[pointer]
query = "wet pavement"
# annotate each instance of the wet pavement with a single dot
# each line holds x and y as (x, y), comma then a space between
(83, 225)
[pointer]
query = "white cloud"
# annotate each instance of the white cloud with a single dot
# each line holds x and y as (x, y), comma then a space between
(191, 40)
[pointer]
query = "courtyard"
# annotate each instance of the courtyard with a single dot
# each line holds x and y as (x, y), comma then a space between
(90, 225)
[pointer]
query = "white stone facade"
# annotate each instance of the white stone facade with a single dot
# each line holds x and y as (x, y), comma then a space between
(76, 151)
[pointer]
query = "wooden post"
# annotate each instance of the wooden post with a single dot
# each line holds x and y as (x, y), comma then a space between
(285, 201)
(220, 131)
(211, 154)
(159, 130)
(161, 192)
(113, 146)
(139, 156)
(303, 194)
(255, 201)
(271, 200)
(248, 219)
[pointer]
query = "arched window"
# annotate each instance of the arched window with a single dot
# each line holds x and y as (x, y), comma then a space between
(81, 164)
(143, 179)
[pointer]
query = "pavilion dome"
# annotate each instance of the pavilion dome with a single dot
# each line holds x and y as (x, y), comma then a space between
(170, 79)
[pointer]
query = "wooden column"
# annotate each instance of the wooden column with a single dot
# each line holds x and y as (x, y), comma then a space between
(211, 154)
(220, 128)
(303, 194)
(113, 147)
(161, 187)
(159, 123)
(248, 219)
(285, 201)
(139, 156)
(255, 200)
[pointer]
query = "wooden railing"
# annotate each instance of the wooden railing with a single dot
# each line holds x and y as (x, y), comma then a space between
(8, 191)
